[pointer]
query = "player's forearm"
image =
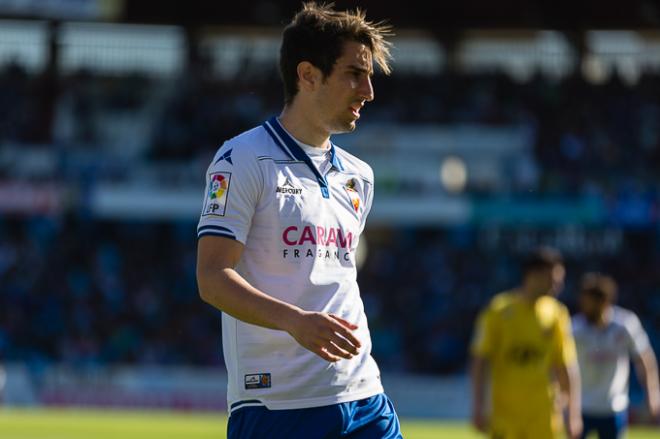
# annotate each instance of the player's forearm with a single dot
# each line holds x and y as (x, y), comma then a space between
(647, 367)
(229, 292)
(478, 378)
(478, 370)
(569, 383)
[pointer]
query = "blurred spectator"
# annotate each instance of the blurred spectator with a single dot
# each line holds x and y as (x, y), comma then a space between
(96, 292)
(93, 292)
(588, 138)
(85, 291)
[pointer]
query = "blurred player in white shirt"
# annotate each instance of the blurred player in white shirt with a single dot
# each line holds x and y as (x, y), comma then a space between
(607, 337)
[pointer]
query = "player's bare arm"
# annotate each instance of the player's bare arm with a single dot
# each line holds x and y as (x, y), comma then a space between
(478, 371)
(569, 383)
(646, 367)
(221, 286)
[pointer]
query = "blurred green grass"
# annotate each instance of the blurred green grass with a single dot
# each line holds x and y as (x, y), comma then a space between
(112, 424)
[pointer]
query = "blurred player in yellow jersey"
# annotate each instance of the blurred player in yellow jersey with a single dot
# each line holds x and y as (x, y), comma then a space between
(523, 338)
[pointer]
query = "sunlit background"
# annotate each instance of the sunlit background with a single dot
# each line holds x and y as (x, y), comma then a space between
(500, 129)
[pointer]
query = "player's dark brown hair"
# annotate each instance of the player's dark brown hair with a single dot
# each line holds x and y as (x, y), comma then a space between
(317, 34)
(541, 258)
(599, 286)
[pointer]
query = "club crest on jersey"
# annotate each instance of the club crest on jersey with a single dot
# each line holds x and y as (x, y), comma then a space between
(351, 190)
(216, 197)
(257, 381)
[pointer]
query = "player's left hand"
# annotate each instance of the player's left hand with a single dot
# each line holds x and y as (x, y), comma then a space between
(327, 335)
(654, 409)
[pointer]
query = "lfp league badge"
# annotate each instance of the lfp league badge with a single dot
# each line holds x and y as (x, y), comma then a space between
(216, 199)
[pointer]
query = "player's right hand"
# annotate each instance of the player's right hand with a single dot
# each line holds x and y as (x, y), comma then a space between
(327, 335)
(479, 421)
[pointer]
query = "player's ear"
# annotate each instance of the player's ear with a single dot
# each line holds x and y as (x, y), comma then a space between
(309, 77)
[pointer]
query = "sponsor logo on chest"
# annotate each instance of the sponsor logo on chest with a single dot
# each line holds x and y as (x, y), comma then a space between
(288, 188)
(327, 243)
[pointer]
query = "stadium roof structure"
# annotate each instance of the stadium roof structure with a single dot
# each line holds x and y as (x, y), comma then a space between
(437, 15)
(445, 17)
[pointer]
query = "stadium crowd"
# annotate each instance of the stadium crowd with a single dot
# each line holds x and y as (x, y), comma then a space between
(588, 137)
(88, 292)
(85, 291)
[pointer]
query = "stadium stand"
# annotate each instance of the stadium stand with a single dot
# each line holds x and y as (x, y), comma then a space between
(85, 289)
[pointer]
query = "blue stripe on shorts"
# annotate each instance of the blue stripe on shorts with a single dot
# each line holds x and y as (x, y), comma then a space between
(607, 426)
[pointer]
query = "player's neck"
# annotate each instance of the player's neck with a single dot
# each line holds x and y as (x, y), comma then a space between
(528, 296)
(302, 126)
(604, 318)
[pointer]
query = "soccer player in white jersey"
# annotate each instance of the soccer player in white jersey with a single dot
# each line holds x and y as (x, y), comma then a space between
(283, 212)
(607, 337)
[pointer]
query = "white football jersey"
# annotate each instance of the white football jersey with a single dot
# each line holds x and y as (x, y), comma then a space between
(604, 356)
(300, 226)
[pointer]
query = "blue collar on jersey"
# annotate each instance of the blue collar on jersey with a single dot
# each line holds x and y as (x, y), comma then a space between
(293, 150)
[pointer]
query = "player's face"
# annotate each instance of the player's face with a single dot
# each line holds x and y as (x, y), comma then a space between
(549, 281)
(592, 307)
(558, 275)
(345, 91)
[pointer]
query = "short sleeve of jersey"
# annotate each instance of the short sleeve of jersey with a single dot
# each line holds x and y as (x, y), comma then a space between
(233, 187)
(565, 352)
(483, 340)
(638, 340)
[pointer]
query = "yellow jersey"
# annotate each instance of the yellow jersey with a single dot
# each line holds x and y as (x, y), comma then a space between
(522, 342)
